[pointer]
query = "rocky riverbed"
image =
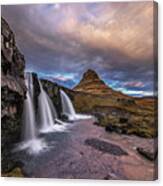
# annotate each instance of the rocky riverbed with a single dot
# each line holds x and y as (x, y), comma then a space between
(86, 151)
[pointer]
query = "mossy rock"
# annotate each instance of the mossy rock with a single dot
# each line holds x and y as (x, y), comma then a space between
(16, 172)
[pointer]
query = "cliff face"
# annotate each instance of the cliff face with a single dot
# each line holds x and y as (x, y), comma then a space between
(13, 94)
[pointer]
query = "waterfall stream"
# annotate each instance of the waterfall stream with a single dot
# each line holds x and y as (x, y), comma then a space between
(30, 140)
(45, 108)
(44, 119)
(68, 108)
(29, 130)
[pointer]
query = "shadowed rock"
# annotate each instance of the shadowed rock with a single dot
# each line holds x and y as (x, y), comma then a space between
(13, 94)
(147, 153)
(105, 147)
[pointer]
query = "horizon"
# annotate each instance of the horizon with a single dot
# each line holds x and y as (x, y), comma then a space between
(70, 39)
(60, 83)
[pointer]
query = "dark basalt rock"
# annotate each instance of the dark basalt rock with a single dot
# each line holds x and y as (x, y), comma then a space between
(105, 147)
(64, 117)
(13, 94)
(110, 128)
(147, 153)
(36, 90)
(123, 120)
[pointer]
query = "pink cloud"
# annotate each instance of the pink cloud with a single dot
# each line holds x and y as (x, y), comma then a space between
(134, 84)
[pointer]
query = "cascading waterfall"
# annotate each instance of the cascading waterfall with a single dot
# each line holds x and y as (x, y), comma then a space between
(30, 140)
(46, 112)
(68, 108)
(29, 129)
(46, 120)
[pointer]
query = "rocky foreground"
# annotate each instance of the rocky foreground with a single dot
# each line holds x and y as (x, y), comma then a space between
(86, 151)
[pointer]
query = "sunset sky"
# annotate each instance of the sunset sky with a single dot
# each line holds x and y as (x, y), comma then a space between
(61, 41)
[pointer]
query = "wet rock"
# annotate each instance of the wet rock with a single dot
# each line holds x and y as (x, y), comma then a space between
(64, 117)
(105, 147)
(36, 90)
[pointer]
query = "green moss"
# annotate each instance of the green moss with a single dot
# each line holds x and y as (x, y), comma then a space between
(16, 172)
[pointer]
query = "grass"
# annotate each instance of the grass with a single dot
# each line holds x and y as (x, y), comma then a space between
(139, 116)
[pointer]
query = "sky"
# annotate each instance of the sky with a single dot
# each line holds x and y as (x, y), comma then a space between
(61, 41)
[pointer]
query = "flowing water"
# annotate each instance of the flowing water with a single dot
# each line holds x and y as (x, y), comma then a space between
(45, 108)
(30, 140)
(29, 129)
(68, 108)
(46, 120)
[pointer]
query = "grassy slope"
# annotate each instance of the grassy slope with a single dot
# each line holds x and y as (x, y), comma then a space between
(137, 117)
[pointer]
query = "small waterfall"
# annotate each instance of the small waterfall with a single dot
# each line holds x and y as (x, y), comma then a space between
(46, 111)
(29, 122)
(68, 108)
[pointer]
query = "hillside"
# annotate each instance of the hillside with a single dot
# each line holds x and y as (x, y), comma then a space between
(113, 110)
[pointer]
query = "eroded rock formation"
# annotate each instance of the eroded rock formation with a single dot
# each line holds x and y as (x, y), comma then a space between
(13, 94)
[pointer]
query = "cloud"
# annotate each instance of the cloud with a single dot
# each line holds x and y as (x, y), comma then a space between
(134, 84)
(115, 39)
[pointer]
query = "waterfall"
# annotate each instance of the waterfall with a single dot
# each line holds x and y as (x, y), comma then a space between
(46, 111)
(29, 129)
(68, 108)
(30, 140)
(46, 120)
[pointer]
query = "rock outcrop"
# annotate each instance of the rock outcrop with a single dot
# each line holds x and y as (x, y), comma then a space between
(13, 94)
(150, 154)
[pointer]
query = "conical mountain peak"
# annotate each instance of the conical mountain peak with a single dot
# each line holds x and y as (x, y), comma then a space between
(90, 74)
(92, 83)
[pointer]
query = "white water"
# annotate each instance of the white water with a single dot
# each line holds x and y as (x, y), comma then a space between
(68, 108)
(47, 119)
(47, 113)
(29, 129)
(30, 140)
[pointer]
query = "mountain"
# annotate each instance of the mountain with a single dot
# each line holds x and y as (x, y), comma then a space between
(93, 84)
